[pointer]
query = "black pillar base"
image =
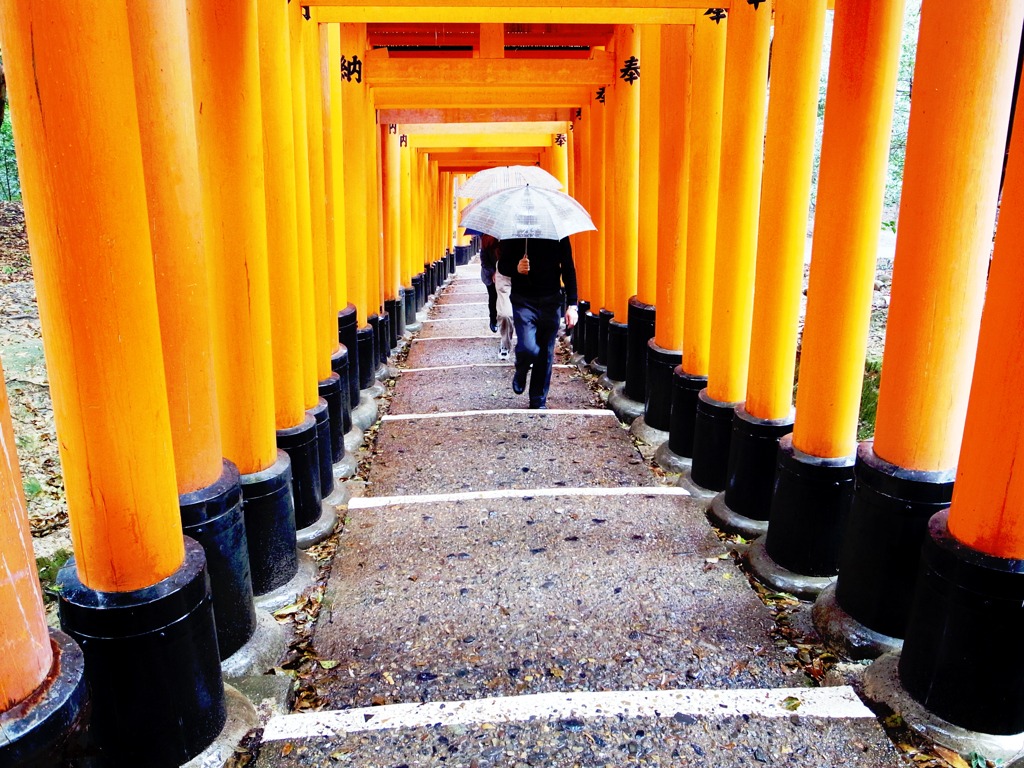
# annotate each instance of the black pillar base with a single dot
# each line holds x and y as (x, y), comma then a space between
(151, 663)
(450, 257)
(270, 525)
(590, 335)
(809, 511)
(879, 557)
(579, 332)
(417, 288)
(375, 323)
(745, 504)
(331, 393)
(213, 516)
(367, 358)
(347, 329)
(463, 253)
(604, 318)
(686, 389)
(712, 434)
(959, 656)
(658, 400)
(640, 322)
(303, 448)
(321, 414)
(399, 316)
(341, 415)
(385, 344)
(618, 343)
(411, 323)
(40, 731)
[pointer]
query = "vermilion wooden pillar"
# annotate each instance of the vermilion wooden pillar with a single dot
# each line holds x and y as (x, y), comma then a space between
(208, 486)
(814, 480)
(690, 378)
(947, 210)
(743, 125)
(69, 70)
(226, 95)
(767, 414)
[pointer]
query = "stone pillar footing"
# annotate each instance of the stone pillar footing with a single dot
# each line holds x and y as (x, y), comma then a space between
(354, 439)
(241, 718)
(725, 519)
(843, 633)
(644, 432)
(319, 530)
(289, 592)
(364, 415)
(39, 732)
(607, 381)
(669, 460)
(882, 684)
(264, 650)
(698, 492)
(779, 578)
(626, 408)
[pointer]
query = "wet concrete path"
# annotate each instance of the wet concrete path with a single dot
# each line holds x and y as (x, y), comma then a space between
(516, 588)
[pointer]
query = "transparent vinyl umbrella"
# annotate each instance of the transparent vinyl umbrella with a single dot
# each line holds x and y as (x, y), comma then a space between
(527, 212)
(503, 177)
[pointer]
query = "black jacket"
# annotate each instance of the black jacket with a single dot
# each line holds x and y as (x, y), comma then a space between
(551, 268)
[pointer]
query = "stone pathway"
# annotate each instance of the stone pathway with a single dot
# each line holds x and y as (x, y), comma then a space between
(515, 588)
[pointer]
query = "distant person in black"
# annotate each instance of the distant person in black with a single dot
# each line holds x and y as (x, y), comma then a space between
(488, 263)
(539, 269)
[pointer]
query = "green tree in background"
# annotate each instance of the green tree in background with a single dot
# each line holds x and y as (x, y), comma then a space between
(10, 187)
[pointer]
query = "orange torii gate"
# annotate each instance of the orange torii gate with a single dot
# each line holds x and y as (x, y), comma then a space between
(307, 294)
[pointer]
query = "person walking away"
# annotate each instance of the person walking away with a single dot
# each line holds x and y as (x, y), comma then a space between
(539, 270)
(503, 285)
(488, 266)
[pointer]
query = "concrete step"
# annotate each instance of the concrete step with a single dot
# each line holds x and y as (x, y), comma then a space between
(829, 728)
(435, 390)
(457, 310)
(458, 598)
(451, 351)
(457, 327)
(478, 450)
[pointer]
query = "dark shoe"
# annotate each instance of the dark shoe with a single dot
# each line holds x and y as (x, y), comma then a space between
(494, 326)
(519, 382)
(538, 407)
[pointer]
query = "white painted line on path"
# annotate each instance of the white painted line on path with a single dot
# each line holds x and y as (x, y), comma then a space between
(453, 319)
(372, 502)
(452, 338)
(500, 412)
(469, 365)
(836, 702)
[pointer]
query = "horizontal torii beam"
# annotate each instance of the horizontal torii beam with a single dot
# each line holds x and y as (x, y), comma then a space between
(441, 95)
(433, 129)
(593, 11)
(459, 141)
(450, 72)
(503, 115)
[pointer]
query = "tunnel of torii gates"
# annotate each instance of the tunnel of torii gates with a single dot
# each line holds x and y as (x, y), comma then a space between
(236, 210)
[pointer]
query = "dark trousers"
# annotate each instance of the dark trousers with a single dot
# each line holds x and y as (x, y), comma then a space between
(536, 331)
(492, 303)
